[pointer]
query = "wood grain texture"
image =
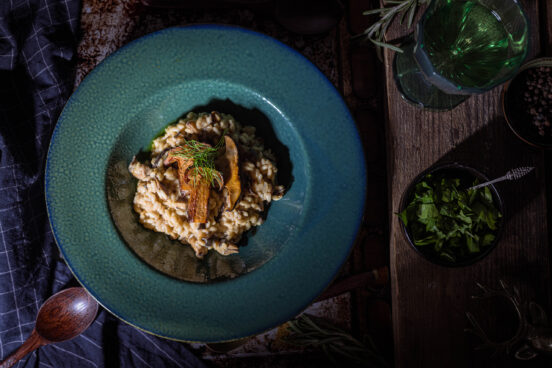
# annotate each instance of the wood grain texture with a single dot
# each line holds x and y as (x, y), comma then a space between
(429, 301)
(361, 75)
(62, 317)
(546, 26)
(32, 343)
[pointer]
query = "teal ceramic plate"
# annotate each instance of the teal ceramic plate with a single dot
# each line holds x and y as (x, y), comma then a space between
(307, 235)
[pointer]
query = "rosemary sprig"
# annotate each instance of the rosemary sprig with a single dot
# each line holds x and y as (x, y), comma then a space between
(338, 345)
(203, 156)
(376, 32)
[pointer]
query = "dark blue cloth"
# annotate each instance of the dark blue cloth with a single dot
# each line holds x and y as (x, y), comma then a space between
(38, 39)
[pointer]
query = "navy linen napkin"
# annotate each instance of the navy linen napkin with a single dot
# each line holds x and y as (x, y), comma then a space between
(38, 39)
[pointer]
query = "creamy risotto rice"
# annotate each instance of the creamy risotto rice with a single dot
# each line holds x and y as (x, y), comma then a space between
(162, 206)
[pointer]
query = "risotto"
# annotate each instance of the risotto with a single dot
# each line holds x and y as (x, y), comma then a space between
(234, 199)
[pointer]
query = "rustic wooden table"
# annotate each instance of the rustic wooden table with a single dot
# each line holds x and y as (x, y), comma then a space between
(429, 302)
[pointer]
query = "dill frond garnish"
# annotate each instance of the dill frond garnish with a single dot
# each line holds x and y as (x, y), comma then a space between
(208, 174)
(203, 157)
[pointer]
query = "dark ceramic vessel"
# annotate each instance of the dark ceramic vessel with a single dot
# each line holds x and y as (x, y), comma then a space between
(465, 173)
(518, 123)
(156, 285)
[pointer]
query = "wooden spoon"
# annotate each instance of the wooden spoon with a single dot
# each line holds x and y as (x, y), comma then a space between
(62, 317)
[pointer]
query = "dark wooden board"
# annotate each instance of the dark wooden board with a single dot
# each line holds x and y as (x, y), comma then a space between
(429, 301)
(546, 26)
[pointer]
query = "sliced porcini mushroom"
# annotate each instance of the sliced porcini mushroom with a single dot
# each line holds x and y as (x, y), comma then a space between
(183, 166)
(231, 173)
(197, 187)
(198, 203)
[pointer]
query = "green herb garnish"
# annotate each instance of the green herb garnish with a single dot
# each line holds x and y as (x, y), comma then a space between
(340, 347)
(390, 10)
(455, 224)
(203, 156)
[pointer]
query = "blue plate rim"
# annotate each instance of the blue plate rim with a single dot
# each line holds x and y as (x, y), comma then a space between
(362, 174)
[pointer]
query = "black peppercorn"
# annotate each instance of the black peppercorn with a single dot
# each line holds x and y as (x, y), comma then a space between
(534, 96)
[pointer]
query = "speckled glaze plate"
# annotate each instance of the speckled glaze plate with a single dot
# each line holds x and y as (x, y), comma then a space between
(136, 92)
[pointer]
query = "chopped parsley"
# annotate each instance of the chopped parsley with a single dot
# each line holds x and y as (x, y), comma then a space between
(448, 221)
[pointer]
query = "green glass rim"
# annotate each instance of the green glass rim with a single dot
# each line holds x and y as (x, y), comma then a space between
(446, 84)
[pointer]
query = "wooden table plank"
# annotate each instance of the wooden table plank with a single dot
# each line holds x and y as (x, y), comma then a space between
(546, 26)
(429, 301)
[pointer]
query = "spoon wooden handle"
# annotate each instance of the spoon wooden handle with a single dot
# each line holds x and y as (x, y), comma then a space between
(33, 342)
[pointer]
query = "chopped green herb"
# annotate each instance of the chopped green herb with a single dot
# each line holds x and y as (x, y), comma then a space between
(203, 156)
(456, 223)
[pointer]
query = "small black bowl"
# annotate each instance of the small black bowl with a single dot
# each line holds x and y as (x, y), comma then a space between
(514, 109)
(466, 175)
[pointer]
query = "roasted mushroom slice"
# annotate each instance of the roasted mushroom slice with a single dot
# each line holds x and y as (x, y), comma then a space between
(228, 164)
(196, 182)
(183, 165)
(198, 208)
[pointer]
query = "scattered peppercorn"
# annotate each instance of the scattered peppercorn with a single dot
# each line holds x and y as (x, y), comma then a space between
(533, 93)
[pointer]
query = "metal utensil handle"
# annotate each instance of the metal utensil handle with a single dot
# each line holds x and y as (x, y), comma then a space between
(505, 177)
